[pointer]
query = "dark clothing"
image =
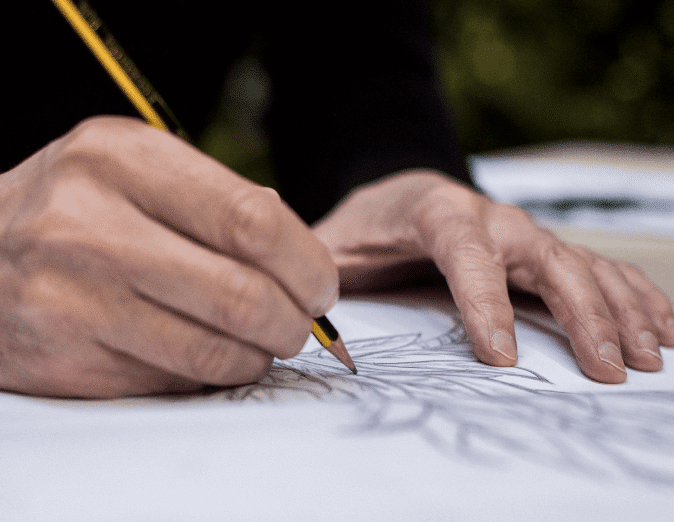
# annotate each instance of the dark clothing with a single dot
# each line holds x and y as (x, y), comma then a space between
(354, 91)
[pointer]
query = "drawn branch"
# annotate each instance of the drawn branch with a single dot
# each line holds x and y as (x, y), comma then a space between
(437, 389)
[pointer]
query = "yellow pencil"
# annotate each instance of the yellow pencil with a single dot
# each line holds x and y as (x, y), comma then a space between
(137, 89)
(329, 338)
(149, 104)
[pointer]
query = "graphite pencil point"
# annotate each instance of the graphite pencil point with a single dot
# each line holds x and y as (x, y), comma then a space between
(338, 349)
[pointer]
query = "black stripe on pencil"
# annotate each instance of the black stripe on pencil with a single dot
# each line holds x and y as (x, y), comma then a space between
(329, 338)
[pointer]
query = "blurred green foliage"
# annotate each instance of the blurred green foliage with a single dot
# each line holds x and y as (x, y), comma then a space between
(235, 136)
(513, 72)
(522, 71)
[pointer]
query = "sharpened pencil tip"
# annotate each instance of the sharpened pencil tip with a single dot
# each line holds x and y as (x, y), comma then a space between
(338, 349)
(355, 371)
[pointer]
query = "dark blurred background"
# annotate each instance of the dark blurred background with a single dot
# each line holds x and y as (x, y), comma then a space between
(514, 72)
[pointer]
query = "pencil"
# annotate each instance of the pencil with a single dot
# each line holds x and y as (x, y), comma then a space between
(152, 107)
(122, 70)
(330, 339)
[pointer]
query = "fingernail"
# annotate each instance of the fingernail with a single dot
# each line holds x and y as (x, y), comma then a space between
(332, 300)
(503, 343)
(610, 353)
(649, 344)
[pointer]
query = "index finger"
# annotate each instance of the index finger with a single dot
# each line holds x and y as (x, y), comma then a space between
(176, 184)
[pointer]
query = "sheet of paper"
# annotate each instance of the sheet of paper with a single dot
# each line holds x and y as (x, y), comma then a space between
(599, 194)
(423, 432)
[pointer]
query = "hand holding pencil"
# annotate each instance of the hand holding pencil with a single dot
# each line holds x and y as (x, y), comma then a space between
(149, 267)
(151, 106)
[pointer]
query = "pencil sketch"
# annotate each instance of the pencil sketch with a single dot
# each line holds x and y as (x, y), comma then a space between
(437, 389)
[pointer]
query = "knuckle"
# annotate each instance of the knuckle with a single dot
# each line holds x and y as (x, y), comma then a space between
(82, 144)
(600, 264)
(661, 301)
(656, 297)
(64, 209)
(627, 311)
(593, 321)
(92, 143)
(480, 260)
(516, 215)
(582, 250)
(435, 211)
(59, 234)
(255, 221)
(246, 310)
(489, 305)
(601, 317)
(213, 362)
(633, 268)
(543, 236)
(555, 254)
(478, 251)
(465, 236)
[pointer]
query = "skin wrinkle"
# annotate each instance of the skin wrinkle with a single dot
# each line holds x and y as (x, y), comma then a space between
(456, 237)
(478, 307)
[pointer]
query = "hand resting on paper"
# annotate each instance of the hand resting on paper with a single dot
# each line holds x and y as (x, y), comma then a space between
(134, 264)
(611, 312)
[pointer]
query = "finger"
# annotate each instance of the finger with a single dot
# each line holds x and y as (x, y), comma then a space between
(91, 370)
(97, 371)
(657, 303)
(215, 290)
(638, 334)
(97, 329)
(187, 190)
(566, 284)
(59, 355)
(476, 277)
(135, 254)
(96, 306)
(184, 348)
(220, 292)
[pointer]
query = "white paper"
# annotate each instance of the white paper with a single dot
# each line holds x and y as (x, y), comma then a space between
(594, 195)
(423, 432)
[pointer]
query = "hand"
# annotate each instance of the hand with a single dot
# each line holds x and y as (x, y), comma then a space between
(611, 312)
(131, 263)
